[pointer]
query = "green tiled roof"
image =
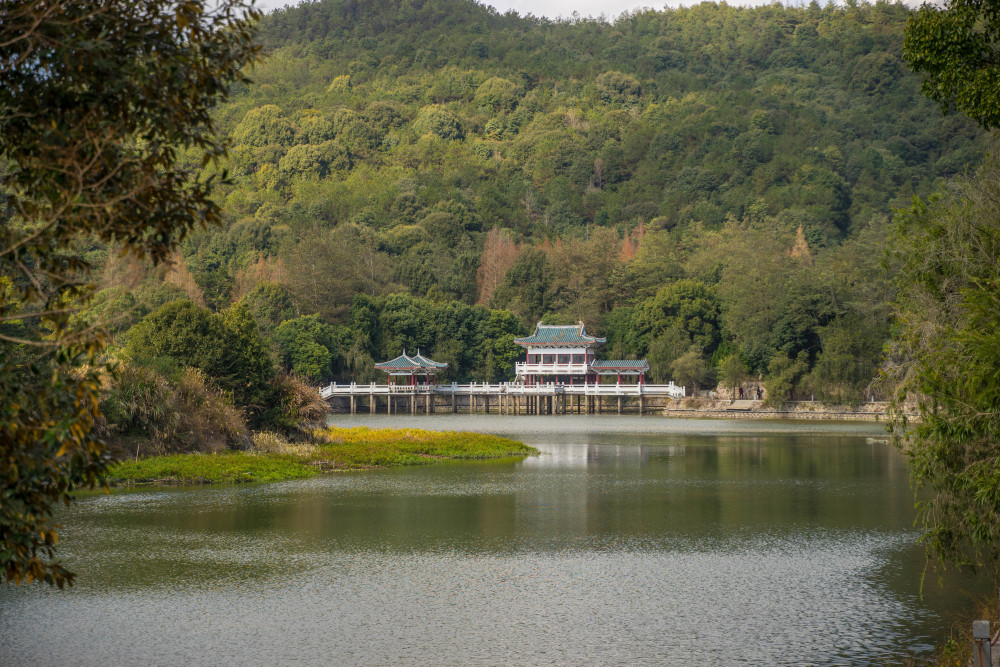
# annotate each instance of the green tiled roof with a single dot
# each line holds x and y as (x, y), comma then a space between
(620, 364)
(557, 334)
(417, 363)
(429, 363)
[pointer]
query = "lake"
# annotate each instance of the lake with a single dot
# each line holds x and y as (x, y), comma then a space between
(629, 540)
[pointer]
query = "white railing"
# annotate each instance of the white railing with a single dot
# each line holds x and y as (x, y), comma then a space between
(672, 390)
(522, 368)
(334, 389)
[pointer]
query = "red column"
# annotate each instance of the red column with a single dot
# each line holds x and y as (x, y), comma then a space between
(642, 378)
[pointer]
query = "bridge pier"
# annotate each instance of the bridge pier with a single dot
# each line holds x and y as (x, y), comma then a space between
(541, 399)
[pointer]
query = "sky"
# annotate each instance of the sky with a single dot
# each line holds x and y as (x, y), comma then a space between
(564, 8)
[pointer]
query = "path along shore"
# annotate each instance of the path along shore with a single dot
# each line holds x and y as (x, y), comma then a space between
(703, 407)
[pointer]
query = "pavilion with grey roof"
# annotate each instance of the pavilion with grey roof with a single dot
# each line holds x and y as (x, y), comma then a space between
(412, 367)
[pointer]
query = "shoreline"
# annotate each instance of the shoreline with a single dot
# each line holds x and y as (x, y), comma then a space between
(804, 410)
(817, 415)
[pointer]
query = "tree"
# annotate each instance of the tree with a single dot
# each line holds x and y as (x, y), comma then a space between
(955, 47)
(497, 94)
(689, 306)
(618, 87)
(948, 305)
(784, 373)
(438, 121)
(270, 304)
(318, 159)
(852, 348)
(228, 348)
(262, 126)
(326, 277)
(101, 105)
(948, 349)
(732, 372)
(307, 346)
(689, 368)
(499, 254)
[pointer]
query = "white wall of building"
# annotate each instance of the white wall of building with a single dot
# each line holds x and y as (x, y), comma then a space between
(557, 350)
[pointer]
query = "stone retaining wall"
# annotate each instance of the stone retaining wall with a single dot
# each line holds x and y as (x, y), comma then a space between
(695, 407)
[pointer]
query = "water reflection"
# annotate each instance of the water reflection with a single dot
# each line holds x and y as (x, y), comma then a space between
(580, 456)
(657, 545)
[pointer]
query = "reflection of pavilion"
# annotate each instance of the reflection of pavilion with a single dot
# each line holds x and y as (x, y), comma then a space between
(565, 355)
(564, 455)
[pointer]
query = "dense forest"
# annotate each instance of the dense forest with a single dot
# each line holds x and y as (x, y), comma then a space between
(708, 187)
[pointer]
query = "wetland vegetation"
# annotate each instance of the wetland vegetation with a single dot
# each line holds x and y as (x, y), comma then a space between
(273, 458)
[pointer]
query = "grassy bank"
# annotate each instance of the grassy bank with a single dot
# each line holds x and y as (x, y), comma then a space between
(274, 459)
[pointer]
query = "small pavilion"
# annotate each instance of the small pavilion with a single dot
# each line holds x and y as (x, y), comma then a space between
(411, 368)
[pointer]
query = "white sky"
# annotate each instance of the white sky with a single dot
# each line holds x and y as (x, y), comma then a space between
(565, 8)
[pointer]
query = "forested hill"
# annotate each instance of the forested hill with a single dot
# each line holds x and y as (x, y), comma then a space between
(695, 183)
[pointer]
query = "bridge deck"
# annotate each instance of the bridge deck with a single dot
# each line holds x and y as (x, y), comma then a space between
(504, 388)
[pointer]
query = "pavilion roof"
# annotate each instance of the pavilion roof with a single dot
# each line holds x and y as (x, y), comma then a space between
(557, 334)
(429, 363)
(417, 363)
(620, 364)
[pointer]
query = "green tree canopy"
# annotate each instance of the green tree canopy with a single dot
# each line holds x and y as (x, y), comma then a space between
(308, 347)
(228, 348)
(438, 121)
(955, 47)
(498, 94)
(264, 125)
(948, 351)
(105, 121)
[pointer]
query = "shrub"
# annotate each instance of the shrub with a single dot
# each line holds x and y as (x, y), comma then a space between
(207, 421)
(139, 402)
(185, 414)
(301, 405)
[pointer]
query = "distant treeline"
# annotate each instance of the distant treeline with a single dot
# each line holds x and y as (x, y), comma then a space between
(702, 184)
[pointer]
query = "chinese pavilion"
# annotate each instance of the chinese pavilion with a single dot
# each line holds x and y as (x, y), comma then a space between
(565, 354)
(412, 368)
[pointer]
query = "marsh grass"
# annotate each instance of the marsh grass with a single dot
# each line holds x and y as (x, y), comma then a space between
(226, 467)
(267, 442)
(363, 447)
(273, 458)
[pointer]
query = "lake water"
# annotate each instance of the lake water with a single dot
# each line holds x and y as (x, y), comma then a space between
(629, 540)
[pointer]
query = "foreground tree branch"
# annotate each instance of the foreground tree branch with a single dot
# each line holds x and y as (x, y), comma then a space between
(98, 102)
